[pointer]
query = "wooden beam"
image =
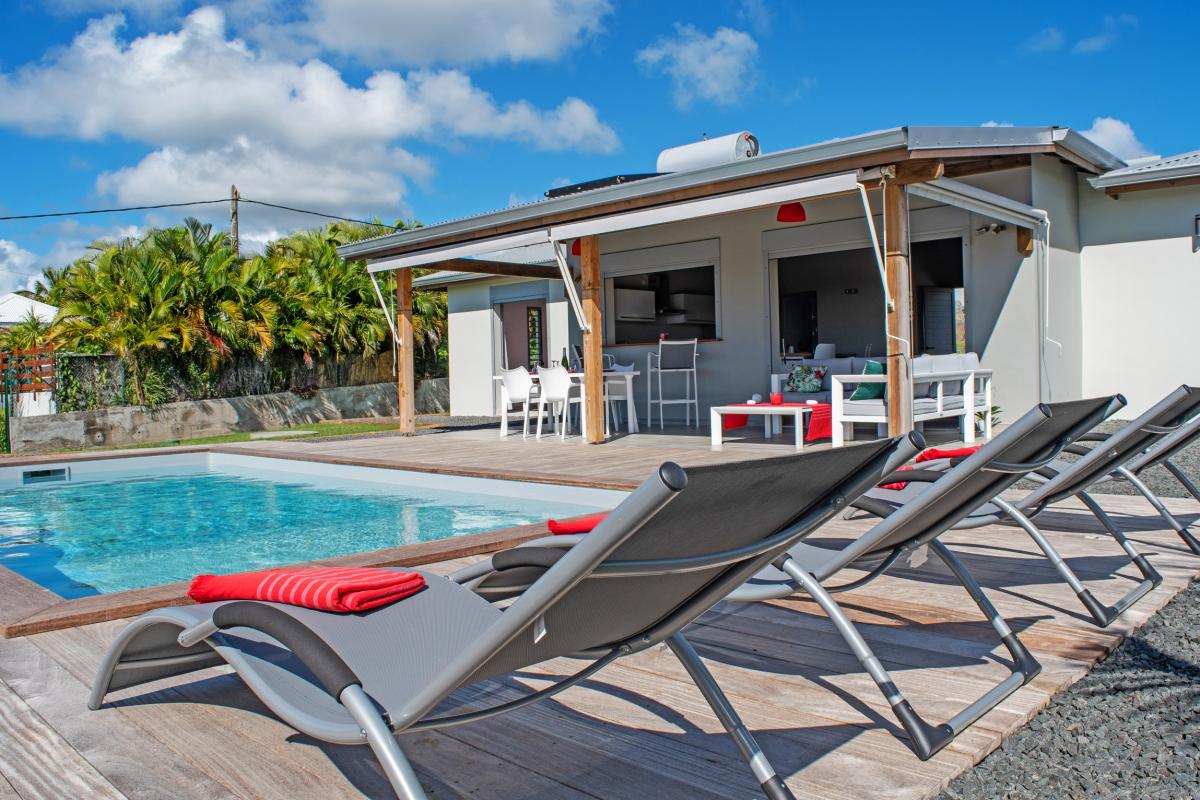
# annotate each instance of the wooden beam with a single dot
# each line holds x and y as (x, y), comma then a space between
(915, 171)
(1116, 191)
(406, 402)
(497, 268)
(593, 340)
(1024, 241)
(976, 166)
(899, 316)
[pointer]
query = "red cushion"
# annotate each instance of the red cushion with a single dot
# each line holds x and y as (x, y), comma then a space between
(339, 589)
(576, 525)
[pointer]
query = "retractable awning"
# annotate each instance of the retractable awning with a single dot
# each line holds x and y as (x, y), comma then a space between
(842, 183)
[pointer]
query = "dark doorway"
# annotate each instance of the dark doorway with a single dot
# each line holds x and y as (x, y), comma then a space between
(798, 321)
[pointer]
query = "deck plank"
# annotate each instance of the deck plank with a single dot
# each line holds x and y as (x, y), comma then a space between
(639, 727)
(37, 762)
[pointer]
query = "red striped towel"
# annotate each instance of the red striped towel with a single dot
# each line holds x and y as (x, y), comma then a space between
(340, 589)
(577, 525)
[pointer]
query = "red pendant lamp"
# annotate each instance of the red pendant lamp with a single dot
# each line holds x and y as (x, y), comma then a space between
(791, 212)
(576, 248)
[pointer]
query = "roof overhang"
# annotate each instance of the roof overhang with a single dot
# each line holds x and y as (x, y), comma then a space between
(818, 160)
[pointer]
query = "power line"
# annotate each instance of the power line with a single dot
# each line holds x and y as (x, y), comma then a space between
(322, 214)
(197, 203)
(112, 210)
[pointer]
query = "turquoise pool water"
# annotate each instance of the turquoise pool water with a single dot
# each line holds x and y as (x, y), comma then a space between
(95, 537)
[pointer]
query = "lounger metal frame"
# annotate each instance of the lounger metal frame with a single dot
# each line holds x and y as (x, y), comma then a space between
(590, 559)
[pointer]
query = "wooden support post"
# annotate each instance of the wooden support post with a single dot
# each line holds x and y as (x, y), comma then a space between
(593, 340)
(406, 395)
(899, 316)
(1025, 242)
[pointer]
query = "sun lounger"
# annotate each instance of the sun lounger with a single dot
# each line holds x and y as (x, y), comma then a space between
(1061, 480)
(1034, 439)
(675, 547)
(1160, 454)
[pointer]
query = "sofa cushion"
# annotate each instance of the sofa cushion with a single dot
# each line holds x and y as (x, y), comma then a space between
(865, 408)
(870, 391)
(806, 377)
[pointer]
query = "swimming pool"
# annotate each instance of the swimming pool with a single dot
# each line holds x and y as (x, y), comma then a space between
(108, 525)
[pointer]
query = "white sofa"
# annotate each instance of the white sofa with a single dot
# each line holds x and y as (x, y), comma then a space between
(944, 387)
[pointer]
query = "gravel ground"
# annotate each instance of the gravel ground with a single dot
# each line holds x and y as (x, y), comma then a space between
(1158, 479)
(1129, 729)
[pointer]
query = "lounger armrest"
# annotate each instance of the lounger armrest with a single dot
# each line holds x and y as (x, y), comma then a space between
(325, 664)
(913, 475)
(527, 557)
(1077, 450)
(1094, 436)
(876, 507)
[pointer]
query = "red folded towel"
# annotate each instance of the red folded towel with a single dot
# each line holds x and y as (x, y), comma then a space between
(577, 525)
(932, 454)
(340, 589)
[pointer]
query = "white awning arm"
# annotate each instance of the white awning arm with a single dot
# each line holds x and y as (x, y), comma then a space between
(465, 250)
(564, 268)
(386, 314)
(879, 259)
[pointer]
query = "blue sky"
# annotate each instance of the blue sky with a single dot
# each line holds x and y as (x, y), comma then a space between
(436, 109)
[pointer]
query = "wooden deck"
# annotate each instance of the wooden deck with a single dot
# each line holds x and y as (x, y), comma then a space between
(639, 728)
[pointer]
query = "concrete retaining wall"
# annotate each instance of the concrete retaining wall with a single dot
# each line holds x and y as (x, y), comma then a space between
(119, 425)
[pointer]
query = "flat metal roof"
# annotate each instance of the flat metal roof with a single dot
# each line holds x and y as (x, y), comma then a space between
(1184, 165)
(913, 139)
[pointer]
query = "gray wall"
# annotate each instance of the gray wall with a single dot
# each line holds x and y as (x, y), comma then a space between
(121, 425)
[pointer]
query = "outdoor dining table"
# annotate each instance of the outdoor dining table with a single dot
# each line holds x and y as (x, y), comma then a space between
(577, 377)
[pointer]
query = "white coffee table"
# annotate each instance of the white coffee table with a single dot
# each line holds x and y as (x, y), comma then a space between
(765, 410)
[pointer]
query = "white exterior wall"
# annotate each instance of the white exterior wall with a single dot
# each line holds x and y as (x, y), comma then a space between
(472, 330)
(1055, 191)
(1141, 284)
(1001, 295)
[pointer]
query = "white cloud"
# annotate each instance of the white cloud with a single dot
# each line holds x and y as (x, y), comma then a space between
(18, 267)
(1112, 30)
(756, 14)
(719, 68)
(453, 31)
(991, 123)
(1117, 137)
(1044, 41)
(217, 110)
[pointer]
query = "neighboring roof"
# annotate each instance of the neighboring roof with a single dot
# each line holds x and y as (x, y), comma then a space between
(928, 141)
(15, 308)
(1184, 165)
(436, 280)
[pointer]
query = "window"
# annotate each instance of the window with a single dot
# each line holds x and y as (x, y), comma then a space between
(534, 334)
(668, 290)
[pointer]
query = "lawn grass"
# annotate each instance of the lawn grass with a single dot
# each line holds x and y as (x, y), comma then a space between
(316, 430)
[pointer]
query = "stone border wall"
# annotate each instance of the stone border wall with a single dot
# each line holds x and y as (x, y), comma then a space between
(121, 425)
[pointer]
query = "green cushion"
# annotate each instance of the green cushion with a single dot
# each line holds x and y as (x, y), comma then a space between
(870, 391)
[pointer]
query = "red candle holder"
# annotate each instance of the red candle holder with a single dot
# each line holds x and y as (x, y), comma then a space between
(776, 398)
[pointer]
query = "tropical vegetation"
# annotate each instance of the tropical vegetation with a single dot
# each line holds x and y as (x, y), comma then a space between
(178, 305)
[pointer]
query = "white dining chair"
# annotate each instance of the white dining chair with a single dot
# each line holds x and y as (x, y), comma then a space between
(557, 389)
(518, 388)
(606, 361)
(614, 392)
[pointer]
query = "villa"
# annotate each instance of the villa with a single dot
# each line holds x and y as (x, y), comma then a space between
(1068, 272)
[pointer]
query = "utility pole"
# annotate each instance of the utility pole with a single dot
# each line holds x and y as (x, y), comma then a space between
(233, 219)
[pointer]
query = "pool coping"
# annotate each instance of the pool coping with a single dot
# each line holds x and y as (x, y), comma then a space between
(29, 608)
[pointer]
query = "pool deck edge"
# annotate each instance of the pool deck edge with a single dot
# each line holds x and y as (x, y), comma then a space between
(38, 610)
